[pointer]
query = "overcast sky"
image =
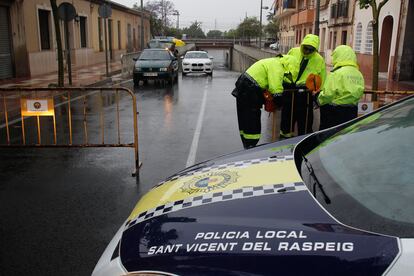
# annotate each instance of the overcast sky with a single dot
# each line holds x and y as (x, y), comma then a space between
(225, 14)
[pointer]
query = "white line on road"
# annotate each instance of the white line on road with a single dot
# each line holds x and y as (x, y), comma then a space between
(196, 137)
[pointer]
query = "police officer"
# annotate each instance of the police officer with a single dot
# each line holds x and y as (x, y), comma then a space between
(297, 101)
(264, 75)
(343, 88)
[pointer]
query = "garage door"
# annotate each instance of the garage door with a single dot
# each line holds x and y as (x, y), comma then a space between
(6, 66)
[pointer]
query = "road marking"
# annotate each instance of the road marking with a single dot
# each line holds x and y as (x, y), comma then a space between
(196, 137)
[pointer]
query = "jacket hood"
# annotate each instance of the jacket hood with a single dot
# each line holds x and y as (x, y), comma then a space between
(311, 40)
(344, 55)
(291, 65)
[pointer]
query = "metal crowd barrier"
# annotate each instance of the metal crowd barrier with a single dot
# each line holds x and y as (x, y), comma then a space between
(69, 118)
(383, 97)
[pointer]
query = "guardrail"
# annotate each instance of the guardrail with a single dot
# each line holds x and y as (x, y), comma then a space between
(76, 117)
(128, 63)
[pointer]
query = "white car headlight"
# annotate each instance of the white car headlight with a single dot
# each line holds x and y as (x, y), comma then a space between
(186, 63)
(163, 69)
(138, 68)
(208, 63)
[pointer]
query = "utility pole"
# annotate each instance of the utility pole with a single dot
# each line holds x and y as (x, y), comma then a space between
(142, 25)
(317, 11)
(260, 33)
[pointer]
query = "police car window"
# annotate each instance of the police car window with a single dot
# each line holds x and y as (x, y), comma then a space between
(366, 171)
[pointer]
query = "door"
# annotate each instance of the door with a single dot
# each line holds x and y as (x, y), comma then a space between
(6, 65)
(385, 46)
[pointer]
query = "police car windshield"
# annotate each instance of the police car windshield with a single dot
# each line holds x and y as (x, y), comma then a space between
(367, 171)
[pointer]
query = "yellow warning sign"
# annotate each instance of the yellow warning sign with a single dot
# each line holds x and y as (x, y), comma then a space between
(37, 107)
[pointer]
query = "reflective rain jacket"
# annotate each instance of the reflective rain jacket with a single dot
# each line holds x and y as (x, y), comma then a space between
(345, 84)
(270, 72)
(316, 63)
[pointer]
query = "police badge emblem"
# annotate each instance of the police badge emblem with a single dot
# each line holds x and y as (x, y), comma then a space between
(211, 181)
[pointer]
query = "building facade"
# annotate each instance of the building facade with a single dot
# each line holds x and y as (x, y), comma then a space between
(395, 40)
(343, 22)
(28, 40)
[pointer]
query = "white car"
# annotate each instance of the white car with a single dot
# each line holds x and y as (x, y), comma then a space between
(197, 62)
(274, 46)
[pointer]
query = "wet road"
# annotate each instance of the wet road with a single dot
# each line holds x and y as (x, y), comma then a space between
(59, 208)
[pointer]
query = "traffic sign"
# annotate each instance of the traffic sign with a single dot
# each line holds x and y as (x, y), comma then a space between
(66, 11)
(105, 11)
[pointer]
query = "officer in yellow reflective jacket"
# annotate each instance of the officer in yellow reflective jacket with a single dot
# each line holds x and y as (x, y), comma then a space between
(297, 101)
(343, 89)
(264, 75)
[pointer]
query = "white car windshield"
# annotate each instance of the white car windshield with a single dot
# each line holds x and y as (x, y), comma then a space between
(196, 55)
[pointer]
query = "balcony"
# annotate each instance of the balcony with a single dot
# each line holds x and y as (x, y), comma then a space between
(303, 17)
(288, 8)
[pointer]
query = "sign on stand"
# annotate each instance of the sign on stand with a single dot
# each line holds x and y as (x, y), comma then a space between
(37, 108)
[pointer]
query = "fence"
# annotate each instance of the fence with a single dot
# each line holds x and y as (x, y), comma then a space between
(383, 98)
(128, 63)
(69, 118)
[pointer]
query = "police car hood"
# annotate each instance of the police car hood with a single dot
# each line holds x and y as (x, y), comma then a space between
(247, 213)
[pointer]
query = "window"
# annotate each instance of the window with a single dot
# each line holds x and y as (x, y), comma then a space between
(368, 39)
(119, 35)
(100, 34)
(358, 38)
(82, 31)
(44, 29)
(330, 40)
(334, 40)
(129, 38)
(343, 37)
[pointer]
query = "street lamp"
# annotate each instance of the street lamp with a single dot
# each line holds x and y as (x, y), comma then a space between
(260, 34)
(177, 13)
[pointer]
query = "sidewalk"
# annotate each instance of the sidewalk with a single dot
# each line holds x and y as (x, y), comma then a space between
(84, 76)
(391, 85)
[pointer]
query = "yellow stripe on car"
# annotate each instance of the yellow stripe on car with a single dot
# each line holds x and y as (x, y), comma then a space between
(218, 180)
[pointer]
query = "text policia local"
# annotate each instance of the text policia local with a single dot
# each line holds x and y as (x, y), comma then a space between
(258, 241)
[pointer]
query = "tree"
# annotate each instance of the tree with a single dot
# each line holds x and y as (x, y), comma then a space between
(58, 43)
(232, 33)
(214, 34)
(173, 32)
(250, 27)
(194, 30)
(376, 9)
(272, 28)
(160, 11)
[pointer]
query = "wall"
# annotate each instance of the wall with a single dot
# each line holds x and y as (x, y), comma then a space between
(45, 61)
(364, 16)
(405, 70)
(243, 57)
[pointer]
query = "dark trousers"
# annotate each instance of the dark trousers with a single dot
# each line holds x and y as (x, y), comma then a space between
(297, 108)
(332, 115)
(249, 101)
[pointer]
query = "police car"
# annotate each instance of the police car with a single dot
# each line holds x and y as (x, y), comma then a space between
(337, 202)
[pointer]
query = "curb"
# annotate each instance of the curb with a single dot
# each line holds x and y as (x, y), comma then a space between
(105, 81)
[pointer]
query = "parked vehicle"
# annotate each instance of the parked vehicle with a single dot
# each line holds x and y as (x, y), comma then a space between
(197, 62)
(156, 64)
(335, 202)
(269, 41)
(274, 46)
